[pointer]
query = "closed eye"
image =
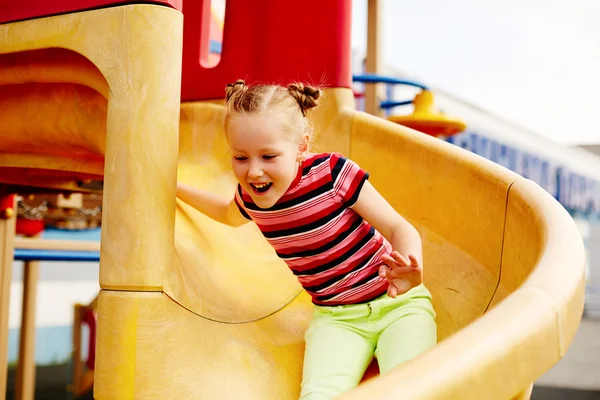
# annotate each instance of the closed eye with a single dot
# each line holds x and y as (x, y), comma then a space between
(240, 158)
(269, 156)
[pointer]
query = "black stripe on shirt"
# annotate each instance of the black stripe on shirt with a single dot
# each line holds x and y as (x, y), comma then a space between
(347, 254)
(244, 213)
(337, 168)
(335, 172)
(339, 277)
(318, 191)
(366, 279)
(352, 200)
(327, 246)
(306, 227)
(296, 200)
(317, 161)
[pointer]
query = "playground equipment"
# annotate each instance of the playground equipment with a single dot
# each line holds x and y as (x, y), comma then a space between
(425, 117)
(31, 222)
(193, 309)
(31, 251)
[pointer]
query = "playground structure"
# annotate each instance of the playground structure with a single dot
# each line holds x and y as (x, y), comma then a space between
(32, 251)
(425, 116)
(193, 309)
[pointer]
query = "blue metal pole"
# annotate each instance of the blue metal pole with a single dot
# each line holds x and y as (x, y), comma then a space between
(55, 255)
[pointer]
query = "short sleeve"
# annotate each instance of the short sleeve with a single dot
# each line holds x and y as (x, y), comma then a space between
(348, 179)
(240, 202)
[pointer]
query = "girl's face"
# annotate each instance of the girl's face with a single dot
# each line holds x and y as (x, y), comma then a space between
(263, 157)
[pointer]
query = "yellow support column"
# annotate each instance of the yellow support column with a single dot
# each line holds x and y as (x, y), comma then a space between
(141, 151)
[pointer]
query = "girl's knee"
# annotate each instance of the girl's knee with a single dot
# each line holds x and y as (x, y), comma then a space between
(406, 339)
(334, 381)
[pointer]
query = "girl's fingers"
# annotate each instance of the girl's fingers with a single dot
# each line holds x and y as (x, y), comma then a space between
(398, 287)
(383, 271)
(389, 262)
(403, 262)
(399, 272)
(387, 257)
(413, 261)
(402, 285)
(396, 268)
(392, 290)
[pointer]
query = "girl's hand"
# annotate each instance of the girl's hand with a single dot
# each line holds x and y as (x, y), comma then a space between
(402, 273)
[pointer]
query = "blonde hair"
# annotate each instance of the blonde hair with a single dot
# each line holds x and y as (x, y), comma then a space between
(291, 103)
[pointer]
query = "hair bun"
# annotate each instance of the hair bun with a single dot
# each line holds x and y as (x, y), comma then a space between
(306, 96)
(238, 86)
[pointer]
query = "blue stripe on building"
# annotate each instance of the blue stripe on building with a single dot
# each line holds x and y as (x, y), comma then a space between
(579, 194)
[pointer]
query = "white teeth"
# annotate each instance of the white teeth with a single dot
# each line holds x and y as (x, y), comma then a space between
(260, 185)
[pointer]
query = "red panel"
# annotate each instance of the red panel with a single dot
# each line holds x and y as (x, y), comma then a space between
(89, 318)
(268, 41)
(16, 10)
(7, 206)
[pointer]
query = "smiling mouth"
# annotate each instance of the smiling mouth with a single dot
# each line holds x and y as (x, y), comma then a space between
(261, 187)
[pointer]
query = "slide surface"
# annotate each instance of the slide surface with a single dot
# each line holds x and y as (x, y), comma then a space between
(231, 317)
(217, 315)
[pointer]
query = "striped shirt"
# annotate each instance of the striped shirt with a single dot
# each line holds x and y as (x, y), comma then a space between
(332, 250)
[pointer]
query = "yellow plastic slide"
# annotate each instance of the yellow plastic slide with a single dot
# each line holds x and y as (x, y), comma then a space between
(191, 309)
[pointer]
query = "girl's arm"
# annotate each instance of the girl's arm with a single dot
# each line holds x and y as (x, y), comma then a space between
(403, 267)
(219, 208)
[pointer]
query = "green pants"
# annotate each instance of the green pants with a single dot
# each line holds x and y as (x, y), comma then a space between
(342, 340)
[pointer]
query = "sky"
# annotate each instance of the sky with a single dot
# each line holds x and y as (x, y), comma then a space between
(535, 63)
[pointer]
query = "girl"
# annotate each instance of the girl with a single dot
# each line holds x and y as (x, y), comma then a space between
(359, 260)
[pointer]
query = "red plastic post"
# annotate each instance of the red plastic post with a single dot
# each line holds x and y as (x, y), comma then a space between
(89, 318)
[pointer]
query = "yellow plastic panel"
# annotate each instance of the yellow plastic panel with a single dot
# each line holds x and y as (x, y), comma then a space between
(332, 121)
(155, 349)
(545, 253)
(222, 273)
(53, 113)
(49, 65)
(63, 120)
(494, 358)
(457, 201)
(535, 314)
